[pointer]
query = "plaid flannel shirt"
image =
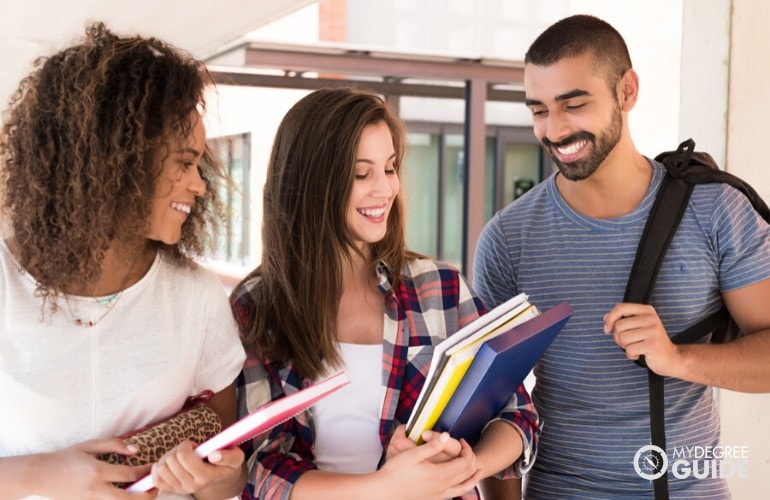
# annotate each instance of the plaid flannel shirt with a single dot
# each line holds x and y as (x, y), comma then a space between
(432, 301)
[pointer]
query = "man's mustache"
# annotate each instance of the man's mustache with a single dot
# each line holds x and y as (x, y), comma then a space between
(577, 136)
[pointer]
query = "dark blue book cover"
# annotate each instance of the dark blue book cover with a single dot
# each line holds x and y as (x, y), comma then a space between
(498, 369)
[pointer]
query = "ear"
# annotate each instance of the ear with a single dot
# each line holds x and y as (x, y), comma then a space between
(628, 90)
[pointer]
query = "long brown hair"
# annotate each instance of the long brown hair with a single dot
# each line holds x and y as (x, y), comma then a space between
(81, 148)
(309, 181)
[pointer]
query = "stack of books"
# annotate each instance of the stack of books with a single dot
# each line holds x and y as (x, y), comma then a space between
(475, 372)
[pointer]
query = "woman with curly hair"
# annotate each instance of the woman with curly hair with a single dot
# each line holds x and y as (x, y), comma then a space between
(108, 325)
(337, 288)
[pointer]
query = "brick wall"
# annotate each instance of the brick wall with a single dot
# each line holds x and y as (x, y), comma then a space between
(332, 17)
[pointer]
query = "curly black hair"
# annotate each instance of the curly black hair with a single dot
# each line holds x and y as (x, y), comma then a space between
(82, 145)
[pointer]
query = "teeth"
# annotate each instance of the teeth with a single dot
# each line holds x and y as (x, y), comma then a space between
(372, 212)
(181, 207)
(571, 148)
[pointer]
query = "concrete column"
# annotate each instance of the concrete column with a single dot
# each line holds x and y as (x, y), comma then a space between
(745, 417)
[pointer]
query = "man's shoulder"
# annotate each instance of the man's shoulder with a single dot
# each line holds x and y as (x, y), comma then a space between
(712, 198)
(712, 188)
(521, 214)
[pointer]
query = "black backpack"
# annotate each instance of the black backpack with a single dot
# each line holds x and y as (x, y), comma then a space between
(685, 167)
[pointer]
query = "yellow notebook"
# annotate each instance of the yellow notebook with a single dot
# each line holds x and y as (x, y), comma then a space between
(449, 367)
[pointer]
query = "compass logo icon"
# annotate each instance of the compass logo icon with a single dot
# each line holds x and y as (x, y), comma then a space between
(650, 462)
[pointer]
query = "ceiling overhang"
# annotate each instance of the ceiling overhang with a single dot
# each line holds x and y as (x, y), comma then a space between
(309, 67)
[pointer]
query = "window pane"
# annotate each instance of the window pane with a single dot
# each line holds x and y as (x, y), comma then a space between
(453, 201)
(420, 185)
(232, 241)
(489, 178)
(521, 170)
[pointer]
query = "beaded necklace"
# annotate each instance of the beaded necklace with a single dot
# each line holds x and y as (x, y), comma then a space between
(109, 302)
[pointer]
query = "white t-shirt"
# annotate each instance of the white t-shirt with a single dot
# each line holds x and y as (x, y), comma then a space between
(169, 336)
(347, 437)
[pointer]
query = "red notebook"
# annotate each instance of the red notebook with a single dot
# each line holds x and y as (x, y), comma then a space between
(262, 419)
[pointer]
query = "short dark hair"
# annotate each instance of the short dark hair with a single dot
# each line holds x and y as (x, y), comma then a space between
(576, 35)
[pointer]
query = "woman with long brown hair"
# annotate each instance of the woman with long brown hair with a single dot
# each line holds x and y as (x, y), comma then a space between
(337, 288)
(108, 325)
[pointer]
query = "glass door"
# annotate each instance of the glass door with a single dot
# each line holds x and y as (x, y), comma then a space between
(434, 181)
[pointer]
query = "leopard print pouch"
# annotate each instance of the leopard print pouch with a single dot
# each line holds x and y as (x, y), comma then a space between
(196, 422)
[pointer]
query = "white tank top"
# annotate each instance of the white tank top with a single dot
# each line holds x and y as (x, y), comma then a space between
(347, 422)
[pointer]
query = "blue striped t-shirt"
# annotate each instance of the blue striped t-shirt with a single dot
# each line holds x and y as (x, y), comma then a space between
(592, 399)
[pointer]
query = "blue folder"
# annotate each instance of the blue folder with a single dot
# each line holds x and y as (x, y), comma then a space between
(496, 372)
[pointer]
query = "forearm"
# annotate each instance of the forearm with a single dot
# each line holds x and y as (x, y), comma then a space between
(225, 489)
(491, 487)
(499, 446)
(742, 365)
(17, 475)
(321, 485)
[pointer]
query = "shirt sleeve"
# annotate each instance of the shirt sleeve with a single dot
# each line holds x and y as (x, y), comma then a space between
(742, 239)
(493, 268)
(277, 459)
(222, 354)
(520, 412)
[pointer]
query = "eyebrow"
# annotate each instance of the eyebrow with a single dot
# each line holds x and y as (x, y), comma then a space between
(366, 160)
(189, 150)
(563, 97)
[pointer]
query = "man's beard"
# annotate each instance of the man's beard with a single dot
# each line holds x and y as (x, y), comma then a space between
(600, 148)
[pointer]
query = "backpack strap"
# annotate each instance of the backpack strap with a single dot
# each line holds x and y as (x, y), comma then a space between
(665, 215)
(664, 218)
(701, 168)
(658, 429)
(684, 168)
(720, 324)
